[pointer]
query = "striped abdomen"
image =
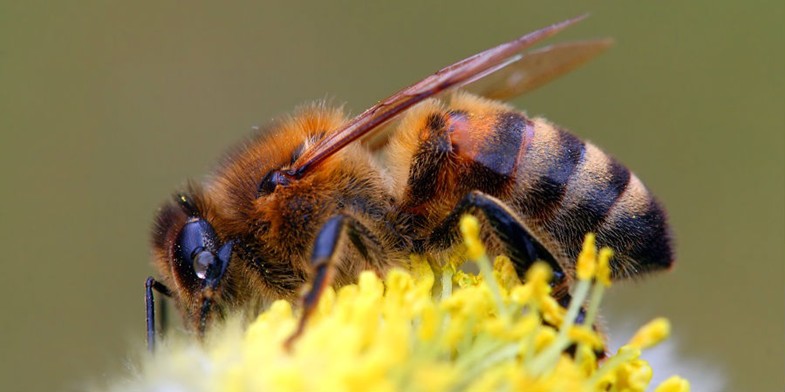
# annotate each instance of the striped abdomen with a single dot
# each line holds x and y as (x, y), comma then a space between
(559, 186)
(566, 187)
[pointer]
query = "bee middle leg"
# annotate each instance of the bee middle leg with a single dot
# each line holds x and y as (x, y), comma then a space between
(328, 245)
(522, 248)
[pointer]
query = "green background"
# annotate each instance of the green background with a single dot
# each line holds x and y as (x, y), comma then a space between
(107, 107)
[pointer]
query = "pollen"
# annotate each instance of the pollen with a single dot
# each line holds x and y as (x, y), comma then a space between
(651, 334)
(674, 384)
(586, 265)
(604, 267)
(429, 327)
(470, 228)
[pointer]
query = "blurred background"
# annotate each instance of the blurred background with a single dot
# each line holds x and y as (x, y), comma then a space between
(107, 107)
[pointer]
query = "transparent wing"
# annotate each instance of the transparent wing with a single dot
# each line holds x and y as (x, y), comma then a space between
(459, 74)
(536, 68)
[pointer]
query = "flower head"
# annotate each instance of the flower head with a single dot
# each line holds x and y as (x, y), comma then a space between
(425, 328)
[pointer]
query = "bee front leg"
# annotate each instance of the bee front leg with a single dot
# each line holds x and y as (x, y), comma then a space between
(149, 301)
(329, 242)
(522, 248)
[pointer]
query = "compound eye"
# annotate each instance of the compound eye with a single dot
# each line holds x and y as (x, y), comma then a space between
(203, 261)
(200, 258)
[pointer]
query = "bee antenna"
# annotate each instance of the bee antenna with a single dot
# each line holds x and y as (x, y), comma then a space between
(187, 204)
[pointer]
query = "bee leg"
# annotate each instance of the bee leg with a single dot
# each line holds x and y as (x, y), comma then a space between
(149, 300)
(330, 240)
(580, 319)
(522, 248)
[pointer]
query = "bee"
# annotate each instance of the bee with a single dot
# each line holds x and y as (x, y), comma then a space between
(316, 197)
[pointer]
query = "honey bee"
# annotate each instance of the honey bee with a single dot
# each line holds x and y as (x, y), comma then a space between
(306, 202)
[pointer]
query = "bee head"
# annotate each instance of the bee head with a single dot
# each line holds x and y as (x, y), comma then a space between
(190, 256)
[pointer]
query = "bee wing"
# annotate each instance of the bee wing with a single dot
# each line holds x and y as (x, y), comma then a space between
(459, 74)
(536, 68)
(519, 75)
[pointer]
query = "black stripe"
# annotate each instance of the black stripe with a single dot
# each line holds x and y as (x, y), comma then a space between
(644, 238)
(653, 249)
(573, 224)
(546, 193)
(500, 151)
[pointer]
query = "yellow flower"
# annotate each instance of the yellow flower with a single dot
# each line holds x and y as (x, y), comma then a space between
(674, 384)
(427, 328)
(504, 271)
(584, 335)
(633, 376)
(651, 334)
(604, 266)
(587, 260)
(470, 228)
(539, 277)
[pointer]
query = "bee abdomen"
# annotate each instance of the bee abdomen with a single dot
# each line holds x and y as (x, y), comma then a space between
(594, 188)
(636, 228)
(548, 162)
(570, 187)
